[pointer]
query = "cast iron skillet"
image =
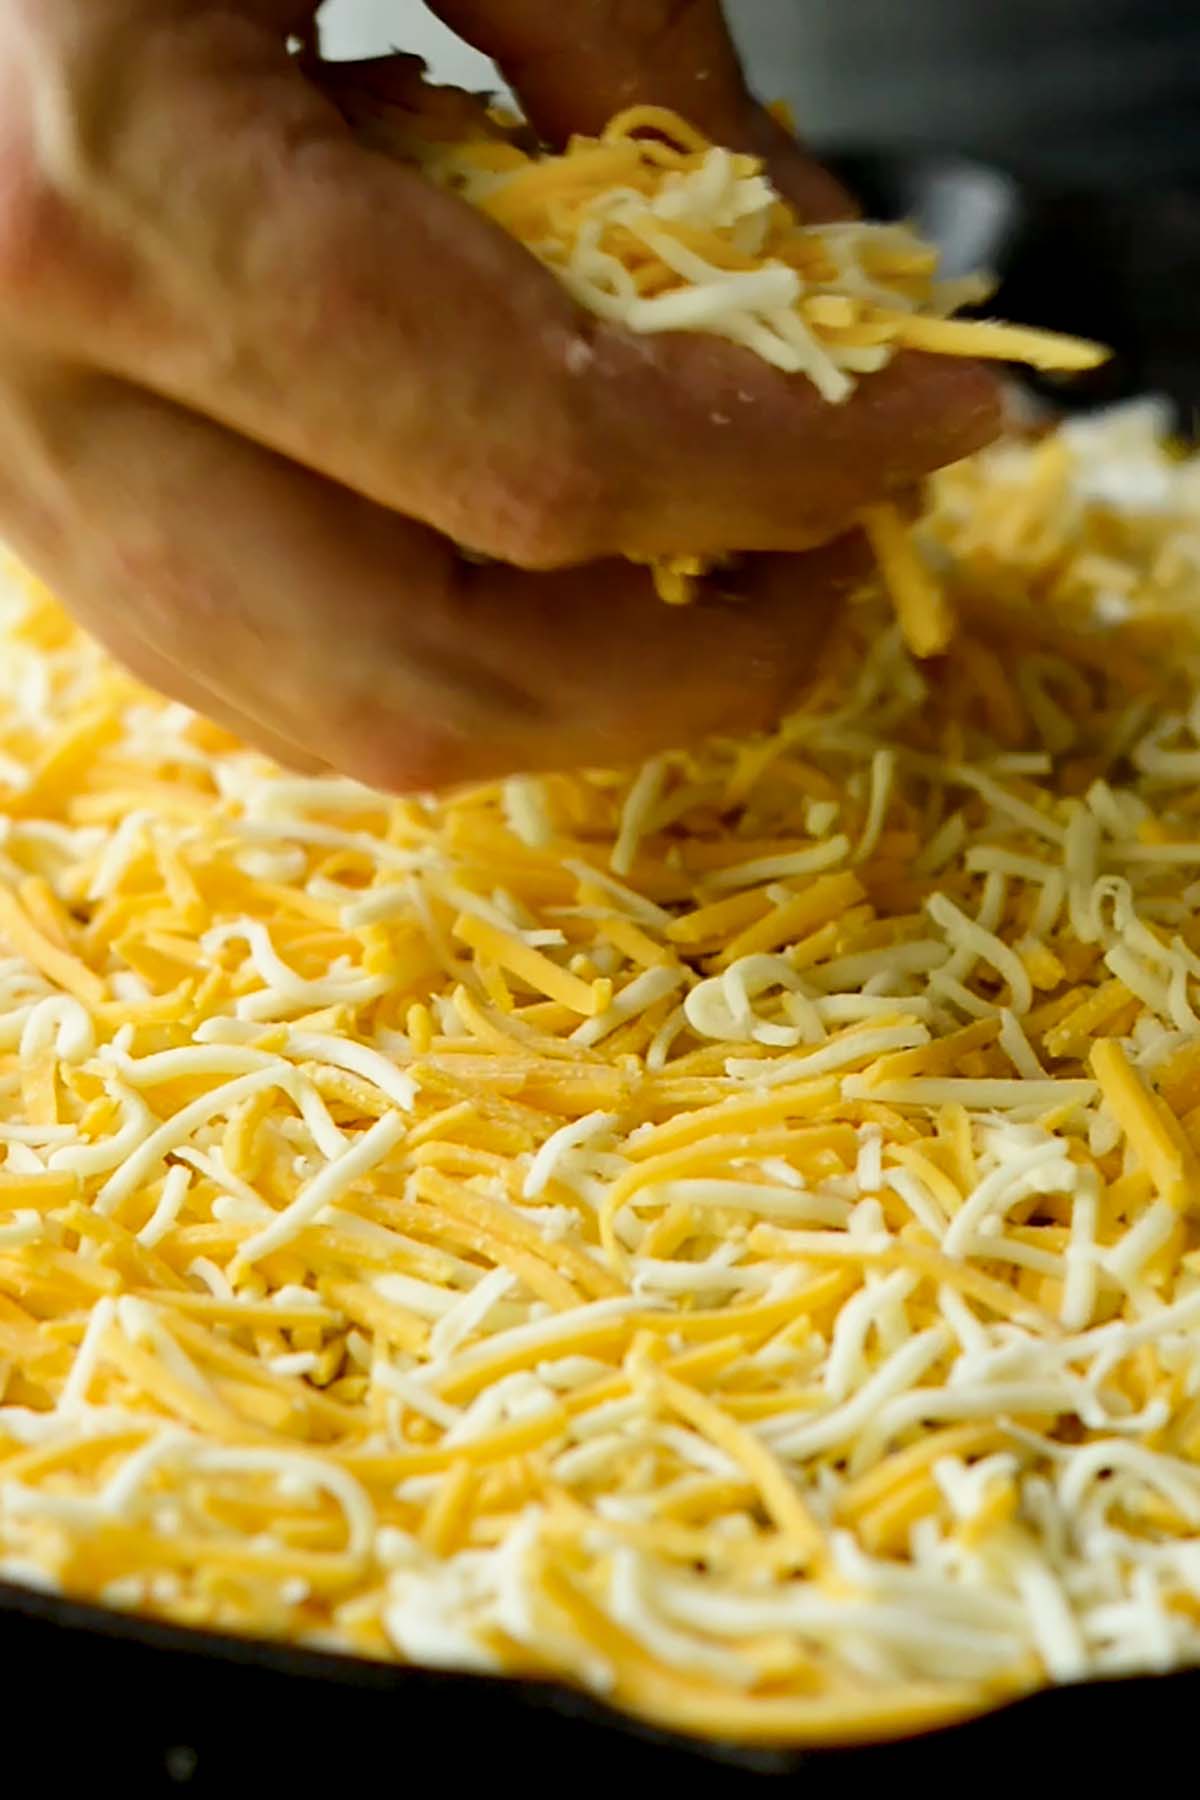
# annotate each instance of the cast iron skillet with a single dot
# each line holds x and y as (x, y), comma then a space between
(138, 1708)
(96, 1697)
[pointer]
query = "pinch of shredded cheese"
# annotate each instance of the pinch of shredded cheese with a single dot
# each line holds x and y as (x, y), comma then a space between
(747, 1264)
(654, 228)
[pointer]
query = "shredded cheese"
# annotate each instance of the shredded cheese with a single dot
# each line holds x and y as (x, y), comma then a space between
(760, 1282)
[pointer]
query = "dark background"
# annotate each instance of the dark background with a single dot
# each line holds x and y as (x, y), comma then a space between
(1079, 123)
(1076, 91)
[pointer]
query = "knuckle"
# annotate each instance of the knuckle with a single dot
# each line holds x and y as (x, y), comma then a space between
(60, 117)
(30, 213)
(554, 514)
(557, 502)
(31, 224)
(44, 266)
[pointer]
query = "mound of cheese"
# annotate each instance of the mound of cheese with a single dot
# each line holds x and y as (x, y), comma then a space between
(656, 229)
(724, 1235)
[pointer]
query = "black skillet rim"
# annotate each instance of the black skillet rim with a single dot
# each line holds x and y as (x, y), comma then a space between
(1094, 1730)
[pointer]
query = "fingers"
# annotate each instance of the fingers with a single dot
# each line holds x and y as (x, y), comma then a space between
(714, 407)
(575, 67)
(620, 676)
(217, 235)
(167, 678)
(315, 622)
(222, 240)
(757, 459)
(695, 410)
(388, 97)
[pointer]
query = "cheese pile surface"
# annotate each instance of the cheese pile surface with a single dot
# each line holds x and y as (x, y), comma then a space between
(723, 1235)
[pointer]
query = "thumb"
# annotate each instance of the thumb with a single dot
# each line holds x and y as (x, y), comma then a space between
(574, 67)
(389, 100)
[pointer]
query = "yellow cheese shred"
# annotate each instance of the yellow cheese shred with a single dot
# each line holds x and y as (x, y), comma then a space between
(1152, 1129)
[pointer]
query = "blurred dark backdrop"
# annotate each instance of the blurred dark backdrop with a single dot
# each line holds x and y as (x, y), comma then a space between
(1055, 141)
(1081, 92)
(1107, 262)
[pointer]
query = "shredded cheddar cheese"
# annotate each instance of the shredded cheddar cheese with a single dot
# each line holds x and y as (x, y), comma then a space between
(726, 1235)
(654, 228)
(658, 229)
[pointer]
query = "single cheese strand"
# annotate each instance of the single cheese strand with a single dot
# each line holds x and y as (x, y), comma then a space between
(921, 605)
(1008, 343)
(177, 1129)
(67, 972)
(333, 1181)
(779, 1495)
(1152, 1130)
(531, 966)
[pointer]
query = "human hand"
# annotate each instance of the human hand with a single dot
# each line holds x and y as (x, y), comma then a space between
(256, 384)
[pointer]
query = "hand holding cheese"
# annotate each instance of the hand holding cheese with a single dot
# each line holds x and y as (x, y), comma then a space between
(257, 383)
